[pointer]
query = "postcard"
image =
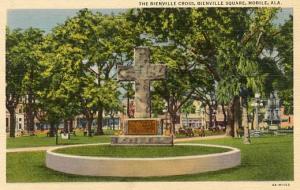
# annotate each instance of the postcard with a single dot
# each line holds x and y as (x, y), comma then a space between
(145, 94)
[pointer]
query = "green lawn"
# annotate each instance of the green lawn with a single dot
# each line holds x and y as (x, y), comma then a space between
(43, 140)
(268, 158)
(140, 151)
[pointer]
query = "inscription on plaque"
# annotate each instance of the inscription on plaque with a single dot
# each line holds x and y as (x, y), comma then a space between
(142, 127)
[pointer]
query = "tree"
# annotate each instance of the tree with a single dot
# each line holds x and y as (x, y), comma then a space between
(113, 106)
(22, 60)
(284, 59)
(31, 44)
(207, 96)
(179, 86)
(158, 105)
(245, 123)
(15, 71)
(188, 108)
(83, 52)
(60, 78)
(129, 93)
(226, 43)
(104, 41)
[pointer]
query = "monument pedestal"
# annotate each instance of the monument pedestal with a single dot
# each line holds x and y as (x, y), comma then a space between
(142, 131)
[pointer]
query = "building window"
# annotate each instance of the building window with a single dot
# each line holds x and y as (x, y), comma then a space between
(20, 119)
(20, 126)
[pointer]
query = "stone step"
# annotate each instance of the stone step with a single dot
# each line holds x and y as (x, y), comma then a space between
(141, 140)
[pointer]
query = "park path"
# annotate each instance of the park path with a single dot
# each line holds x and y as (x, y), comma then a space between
(31, 149)
(45, 148)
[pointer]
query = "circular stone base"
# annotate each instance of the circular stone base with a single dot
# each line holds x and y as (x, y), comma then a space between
(142, 167)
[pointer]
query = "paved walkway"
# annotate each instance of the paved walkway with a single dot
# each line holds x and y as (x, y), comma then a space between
(30, 149)
(44, 148)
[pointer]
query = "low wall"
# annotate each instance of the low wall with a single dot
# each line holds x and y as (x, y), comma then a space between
(143, 167)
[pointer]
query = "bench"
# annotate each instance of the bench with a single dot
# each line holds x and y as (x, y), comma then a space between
(255, 133)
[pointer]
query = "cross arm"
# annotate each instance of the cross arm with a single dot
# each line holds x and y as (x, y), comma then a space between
(157, 72)
(125, 73)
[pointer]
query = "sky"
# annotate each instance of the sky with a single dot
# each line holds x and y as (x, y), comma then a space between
(46, 19)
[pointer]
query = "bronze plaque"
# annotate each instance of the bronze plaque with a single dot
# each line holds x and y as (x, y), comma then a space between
(142, 127)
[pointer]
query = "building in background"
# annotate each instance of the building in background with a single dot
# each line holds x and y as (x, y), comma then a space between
(286, 121)
(20, 120)
(272, 114)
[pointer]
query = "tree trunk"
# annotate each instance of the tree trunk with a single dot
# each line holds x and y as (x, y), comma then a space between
(52, 130)
(100, 121)
(229, 127)
(173, 122)
(89, 116)
(66, 126)
(113, 122)
(56, 134)
(245, 121)
(30, 112)
(210, 117)
(89, 126)
(215, 121)
(236, 115)
(12, 126)
(225, 115)
(71, 124)
(31, 101)
(252, 121)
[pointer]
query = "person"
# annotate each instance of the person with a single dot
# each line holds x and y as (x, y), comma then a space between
(131, 110)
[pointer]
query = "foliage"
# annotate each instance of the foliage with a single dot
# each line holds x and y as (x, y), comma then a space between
(22, 71)
(284, 46)
(212, 55)
(157, 105)
(128, 94)
(218, 49)
(188, 107)
(79, 62)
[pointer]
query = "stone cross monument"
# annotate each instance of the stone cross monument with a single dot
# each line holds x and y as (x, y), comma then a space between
(142, 130)
(142, 72)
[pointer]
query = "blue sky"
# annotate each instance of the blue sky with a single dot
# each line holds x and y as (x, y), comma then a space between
(46, 19)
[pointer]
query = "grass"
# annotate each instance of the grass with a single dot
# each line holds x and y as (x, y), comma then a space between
(43, 140)
(268, 158)
(140, 151)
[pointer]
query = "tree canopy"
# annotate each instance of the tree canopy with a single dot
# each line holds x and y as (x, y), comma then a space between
(212, 54)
